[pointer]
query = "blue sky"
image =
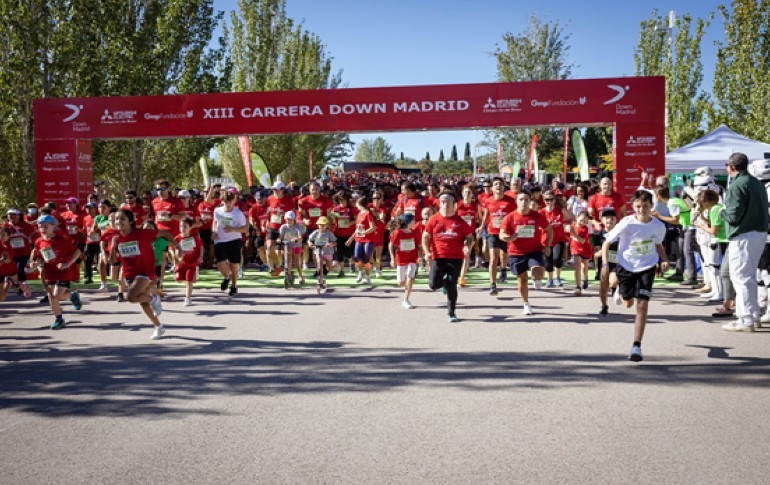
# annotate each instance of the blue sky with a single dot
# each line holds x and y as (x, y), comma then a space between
(400, 42)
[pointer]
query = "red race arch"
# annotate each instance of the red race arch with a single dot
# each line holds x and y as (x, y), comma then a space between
(635, 106)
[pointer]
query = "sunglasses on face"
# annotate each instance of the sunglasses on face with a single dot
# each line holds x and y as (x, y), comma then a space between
(548, 200)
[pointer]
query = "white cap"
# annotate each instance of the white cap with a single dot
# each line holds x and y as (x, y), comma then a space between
(184, 194)
(278, 185)
(290, 215)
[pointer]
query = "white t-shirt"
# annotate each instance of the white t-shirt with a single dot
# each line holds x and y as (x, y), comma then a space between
(636, 242)
(228, 219)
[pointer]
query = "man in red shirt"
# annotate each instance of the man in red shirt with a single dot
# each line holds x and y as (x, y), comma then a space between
(495, 208)
(133, 204)
(258, 220)
(311, 208)
(206, 214)
(278, 203)
(523, 230)
(73, 220)
(606, 198)
(168, 209)
(408, 202)
(446, 241)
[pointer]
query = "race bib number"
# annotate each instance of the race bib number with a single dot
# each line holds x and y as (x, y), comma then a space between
(525, 231)
(406, 245)
(129, 249)
(612, 257)
(642, 248)
(17, 242)
(72, 229)
(410, 211)
(48, 254)
(164, 216)
(360, 231)
(227, 221)
(497, 222)
(187, 244)
(468, 220)
(275, 218)
(205, 217)
(314, 212)
(321, 241)
(343, 222)
(93, 237)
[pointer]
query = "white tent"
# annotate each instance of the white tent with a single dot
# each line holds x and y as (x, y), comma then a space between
(713, 150)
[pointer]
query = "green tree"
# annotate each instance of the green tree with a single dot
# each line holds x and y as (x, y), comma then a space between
(539, 53)
(441, 155)
(453, 155)
(427, 156)
(375, 150)
(741, 88)
(678, 58)
(467, 156)
(270, 52)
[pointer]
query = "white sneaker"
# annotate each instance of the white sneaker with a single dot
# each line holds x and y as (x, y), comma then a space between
(240, 273)
(765, 318)
(188, 302)
(527, 309)
(378, 273)
(538, 284)
(616, 297)
(157, 307)
(707, 295)
(103, 288)
(636, 354)
(360, 277)
(158, 333)
(406, 304)
(367, 280)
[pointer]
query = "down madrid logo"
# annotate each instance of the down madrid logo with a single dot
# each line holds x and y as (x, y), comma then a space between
(75, 112)
(620, 91)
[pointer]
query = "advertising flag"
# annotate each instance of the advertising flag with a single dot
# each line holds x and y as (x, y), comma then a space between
(310, 166)
(260, 170)
(499, 160)
(532, 157)
(204, 170)
(566, 152)
(580, 155)
(243, 147)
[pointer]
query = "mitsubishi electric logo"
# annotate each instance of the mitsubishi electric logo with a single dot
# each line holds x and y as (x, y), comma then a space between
(620, 92)
(75, 112)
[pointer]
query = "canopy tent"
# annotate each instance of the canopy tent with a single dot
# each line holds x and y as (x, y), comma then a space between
(713, 150)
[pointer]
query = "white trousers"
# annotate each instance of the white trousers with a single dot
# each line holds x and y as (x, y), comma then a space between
(744, 253)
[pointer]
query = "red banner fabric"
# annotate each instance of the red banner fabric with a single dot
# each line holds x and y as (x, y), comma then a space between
(245, 148)
(531, 164)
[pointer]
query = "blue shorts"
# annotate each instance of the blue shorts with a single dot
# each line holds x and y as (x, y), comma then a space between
(522, 264)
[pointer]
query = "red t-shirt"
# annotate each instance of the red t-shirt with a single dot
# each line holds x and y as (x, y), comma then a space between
(136, 253)
(191, 250)
(584, 249)
(276, 208)
(346, 215)
(364, 220)
(92, 232)
(165, 210)
(556, 220)
(312, 209)
(21, 238)
(206, 213)
(412, 205)
(107, 236)
(599, 202)
(468, 212)
(9, 267)
(258, 214)
(74, 226)
(58, 249)
(496, 212)
(139, 213)
(380, 222)
(447, 236)
(405, 246)
(529, 227)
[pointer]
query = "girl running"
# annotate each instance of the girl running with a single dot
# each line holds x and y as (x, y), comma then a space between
(558, 216)
(470, 211)
(290, 235)
(403, 256)
(57, 255)
(134, 248)
(363, 239)
(582, 251)
(189, 258)
(7, 264)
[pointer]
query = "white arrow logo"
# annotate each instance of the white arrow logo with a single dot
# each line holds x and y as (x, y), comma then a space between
(620, 90)
(75, 112)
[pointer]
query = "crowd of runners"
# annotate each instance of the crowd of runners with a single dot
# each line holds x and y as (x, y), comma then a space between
(360, 223)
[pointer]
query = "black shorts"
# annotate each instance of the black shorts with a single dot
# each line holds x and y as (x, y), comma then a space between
(522, 264)
(63, 284)
(259, 241)
(343, 251)
(494, 241)
(205, 235)
(228, 251)
(635, 285)
(273, 234)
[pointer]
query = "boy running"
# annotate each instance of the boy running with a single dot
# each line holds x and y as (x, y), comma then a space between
(609, 278)
(404, 253)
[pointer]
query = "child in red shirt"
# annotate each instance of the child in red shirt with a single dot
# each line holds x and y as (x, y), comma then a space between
(189, 257)
(582, 250)
(404, 244)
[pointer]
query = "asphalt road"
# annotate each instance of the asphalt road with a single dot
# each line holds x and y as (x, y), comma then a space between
(276, 386)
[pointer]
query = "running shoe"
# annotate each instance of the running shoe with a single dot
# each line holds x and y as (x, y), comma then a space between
(367, 280)
(558, 283)
(453, 318)
(636, 354)
(585, 284)
(44, 300)
(188, 302)
(264, 268)
(233, 290)
(25, 290)
(577, 291)
(605, 310)
(88, 281)
(341, 274)
(240, 273)
(103, 288)
(737, 327)
(75, 299)
(276, 271)
(158, 333)
(58, 324)
(360, 277)
(225, 283)
(549, 284)
(538, 284)
(616, 296)
(462, 281)
(406, 304)
(378, 273)
(302, 280)
(527, 310)
(156, 305)
(120, 298)
(503, 277)
(493, 290)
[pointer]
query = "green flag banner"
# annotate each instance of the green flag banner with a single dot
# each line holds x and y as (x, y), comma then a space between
(580, 155)
(204, 170)
(259, 167)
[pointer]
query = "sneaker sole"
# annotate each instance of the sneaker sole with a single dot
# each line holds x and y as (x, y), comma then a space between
(635, 358)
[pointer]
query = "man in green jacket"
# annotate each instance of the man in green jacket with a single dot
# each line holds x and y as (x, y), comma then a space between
(746, 215)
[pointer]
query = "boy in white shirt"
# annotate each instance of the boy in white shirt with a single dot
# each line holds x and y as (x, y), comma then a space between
(640, 248)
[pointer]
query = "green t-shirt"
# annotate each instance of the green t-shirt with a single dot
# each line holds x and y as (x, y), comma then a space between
(684, 211)
(715, 219)
(159, 245)
(101, 221)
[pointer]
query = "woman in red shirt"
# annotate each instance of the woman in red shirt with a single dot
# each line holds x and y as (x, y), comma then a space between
(7, 264)
(380, 213)
(364, 239)
(133, 246)
(446, 241)
(558, 216)
(470, 211)
(344, 215)
(57, 255)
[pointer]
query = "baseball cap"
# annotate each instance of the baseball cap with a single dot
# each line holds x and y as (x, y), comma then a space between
(184, 194)
(14, 211)
(279, 185)
(91, 204)
(46, 219)
(290, 215)
(73, 200)
(323, 220)
(406, 218)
